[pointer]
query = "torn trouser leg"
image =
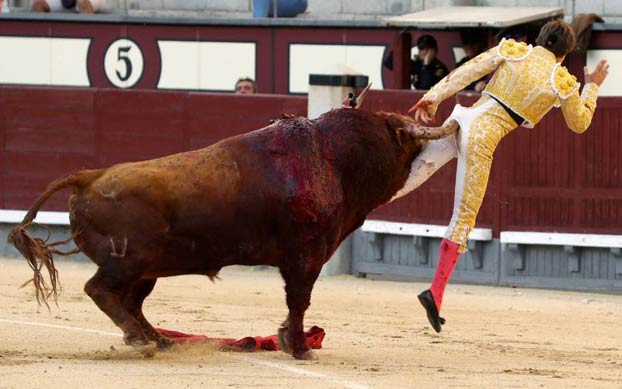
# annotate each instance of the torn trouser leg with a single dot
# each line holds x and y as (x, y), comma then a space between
(435, 155)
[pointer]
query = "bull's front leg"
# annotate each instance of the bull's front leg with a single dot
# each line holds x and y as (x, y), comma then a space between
(299, 281)
(133, 303)
(105, 288)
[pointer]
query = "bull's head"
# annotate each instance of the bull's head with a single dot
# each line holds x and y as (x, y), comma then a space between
(410, 139)
(401, 121)
(406, 130)
(399, 126)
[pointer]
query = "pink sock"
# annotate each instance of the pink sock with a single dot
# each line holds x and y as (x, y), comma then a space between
(448, 258)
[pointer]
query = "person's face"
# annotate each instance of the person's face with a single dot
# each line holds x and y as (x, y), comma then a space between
(471, 51)
(425, 51)
(244, 88)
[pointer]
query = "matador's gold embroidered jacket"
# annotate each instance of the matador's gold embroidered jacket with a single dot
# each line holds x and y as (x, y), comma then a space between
(528, 80)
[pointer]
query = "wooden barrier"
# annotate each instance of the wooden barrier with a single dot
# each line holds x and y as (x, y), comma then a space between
(543, 179)
(46, 133)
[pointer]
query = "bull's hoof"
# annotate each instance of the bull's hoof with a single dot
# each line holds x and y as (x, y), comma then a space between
(308, 355)
(282, 339)
(164, 343)
(146, 350)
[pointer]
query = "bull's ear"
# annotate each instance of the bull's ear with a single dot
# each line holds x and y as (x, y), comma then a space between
(394, 122)
(403, 136)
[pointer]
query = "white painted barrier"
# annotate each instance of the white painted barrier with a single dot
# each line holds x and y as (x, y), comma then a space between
(415, 229)
(10, 216)
(561, 239)
(513, 240)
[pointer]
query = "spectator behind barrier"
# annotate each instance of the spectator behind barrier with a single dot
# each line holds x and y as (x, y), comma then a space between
(582, 27)
(81, 6)
(245, 86)
(427, 69)
(4, 6)
(284, 8)
(473, 43)
(521, 33)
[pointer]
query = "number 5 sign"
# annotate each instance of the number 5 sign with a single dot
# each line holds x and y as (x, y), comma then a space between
(123, 63)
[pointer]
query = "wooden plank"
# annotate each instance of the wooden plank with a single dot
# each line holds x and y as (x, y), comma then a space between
(472, 16)
(567, 183)
(561, 239)
(414, 229)
(420, 273)
(48, 131)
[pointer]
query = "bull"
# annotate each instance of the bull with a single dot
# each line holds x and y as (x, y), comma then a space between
(285, 195)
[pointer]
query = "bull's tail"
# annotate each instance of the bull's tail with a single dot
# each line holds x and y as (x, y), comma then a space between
(38, 252)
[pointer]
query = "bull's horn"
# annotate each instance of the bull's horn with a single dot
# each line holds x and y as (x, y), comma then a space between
(432, 133)
(361, 97)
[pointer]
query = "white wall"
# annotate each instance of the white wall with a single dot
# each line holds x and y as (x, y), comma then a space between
(611, 10)
(358, 9)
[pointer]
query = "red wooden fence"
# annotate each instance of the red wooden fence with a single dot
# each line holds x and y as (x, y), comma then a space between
(46, 132)
(543, 179)
(546, 179)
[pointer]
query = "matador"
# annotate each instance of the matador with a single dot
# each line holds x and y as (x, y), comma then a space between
(527, 82)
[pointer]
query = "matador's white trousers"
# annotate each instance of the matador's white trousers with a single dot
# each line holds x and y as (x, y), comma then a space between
(482, 126)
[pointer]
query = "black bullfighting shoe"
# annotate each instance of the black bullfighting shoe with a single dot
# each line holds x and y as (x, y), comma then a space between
(427, 300)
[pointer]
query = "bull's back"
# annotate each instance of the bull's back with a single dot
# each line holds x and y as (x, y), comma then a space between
(280, 186)
(247, 194)
(184, 207)
(170, 186)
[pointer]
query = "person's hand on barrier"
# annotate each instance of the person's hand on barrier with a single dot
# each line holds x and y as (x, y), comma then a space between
(598, 75)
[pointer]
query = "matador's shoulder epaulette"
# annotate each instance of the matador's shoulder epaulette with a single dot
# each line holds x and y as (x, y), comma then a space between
(562, 82)
(511, 50)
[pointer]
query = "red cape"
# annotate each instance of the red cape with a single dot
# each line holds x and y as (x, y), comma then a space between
(314, 337)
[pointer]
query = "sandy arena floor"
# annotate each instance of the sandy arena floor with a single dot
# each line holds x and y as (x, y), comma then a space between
(377, 336)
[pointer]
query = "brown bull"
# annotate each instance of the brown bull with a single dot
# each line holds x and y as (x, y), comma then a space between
(285, 195)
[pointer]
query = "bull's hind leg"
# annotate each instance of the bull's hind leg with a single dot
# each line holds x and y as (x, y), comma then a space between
(299, 281)
(106, 289)
(133, 303)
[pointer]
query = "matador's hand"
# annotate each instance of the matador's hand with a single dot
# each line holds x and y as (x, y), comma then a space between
(598, 75)
(421, 112)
